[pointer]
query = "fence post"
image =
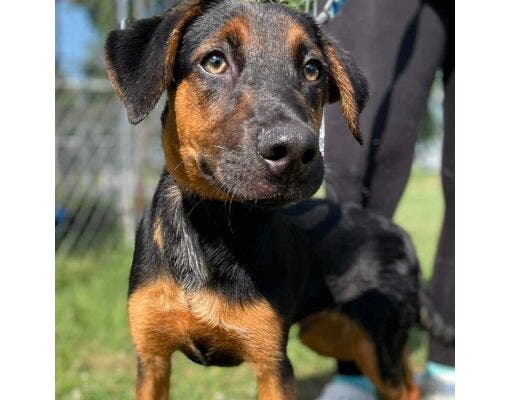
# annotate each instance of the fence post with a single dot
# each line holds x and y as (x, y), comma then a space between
(126, 133)
(140, 8)
(141, 133)
(122, 11)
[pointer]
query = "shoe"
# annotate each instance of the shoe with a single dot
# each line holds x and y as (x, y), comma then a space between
(348, 387)
(437, 382)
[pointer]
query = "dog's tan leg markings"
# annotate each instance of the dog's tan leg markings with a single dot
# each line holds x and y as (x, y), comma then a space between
(163, 319)
(272, 385)
(153, 377)
(155, 335)
(334, 335)
(366, 359)
(413, 391)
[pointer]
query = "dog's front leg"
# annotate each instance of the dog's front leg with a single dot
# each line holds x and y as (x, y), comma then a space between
(153, 377)
(275, 380)
(154, 335)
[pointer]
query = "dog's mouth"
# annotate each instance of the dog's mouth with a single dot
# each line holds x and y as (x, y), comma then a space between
(255, 186)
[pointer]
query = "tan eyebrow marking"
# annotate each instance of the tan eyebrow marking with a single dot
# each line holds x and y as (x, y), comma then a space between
(235, 31)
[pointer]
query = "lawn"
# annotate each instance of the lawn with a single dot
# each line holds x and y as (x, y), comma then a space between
(95, 358)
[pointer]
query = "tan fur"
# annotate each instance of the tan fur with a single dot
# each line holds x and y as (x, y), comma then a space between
(413, 391)
(347, 96)
(193, 128)
(163, 319)
(187, 131)
(332, 334)
(296, 35)
(198, 123)
(158, 236)
(175, 38)
(237, 28)
(270, 385)
(153, 382)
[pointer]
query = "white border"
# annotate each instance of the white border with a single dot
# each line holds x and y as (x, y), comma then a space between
(27, 200)
(482, 200)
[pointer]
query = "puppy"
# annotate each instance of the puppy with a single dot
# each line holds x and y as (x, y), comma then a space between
(222, 265)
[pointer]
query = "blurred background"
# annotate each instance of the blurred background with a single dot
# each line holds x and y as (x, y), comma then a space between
(106, 172)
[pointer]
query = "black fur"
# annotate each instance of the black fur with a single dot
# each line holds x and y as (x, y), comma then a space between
(135, 59)
(303, 258)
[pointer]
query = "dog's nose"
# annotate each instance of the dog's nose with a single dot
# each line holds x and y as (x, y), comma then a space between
(289, 149)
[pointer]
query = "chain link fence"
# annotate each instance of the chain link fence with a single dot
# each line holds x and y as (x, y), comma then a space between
(106, 169)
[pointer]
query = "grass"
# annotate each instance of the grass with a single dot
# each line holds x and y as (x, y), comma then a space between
(95, 358)
(420, 212)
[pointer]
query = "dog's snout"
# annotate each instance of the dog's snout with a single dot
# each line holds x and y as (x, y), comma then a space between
(288, 149)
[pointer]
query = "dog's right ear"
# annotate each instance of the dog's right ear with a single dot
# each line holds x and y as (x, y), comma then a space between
(139, 59)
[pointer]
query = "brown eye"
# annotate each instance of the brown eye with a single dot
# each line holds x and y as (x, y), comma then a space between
(312, 70)
(215, 64)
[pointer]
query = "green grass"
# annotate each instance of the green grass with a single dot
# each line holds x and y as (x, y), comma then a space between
(420, 212)
(95, 358)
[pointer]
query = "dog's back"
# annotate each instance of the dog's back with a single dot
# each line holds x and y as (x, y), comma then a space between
(372, 273)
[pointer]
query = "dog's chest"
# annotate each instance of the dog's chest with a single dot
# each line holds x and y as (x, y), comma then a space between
(204, 325)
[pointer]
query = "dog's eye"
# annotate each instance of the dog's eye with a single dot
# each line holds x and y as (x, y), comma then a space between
(312, 70)
(215, 64)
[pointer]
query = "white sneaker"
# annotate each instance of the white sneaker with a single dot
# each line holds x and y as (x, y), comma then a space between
(437, 382)
(348, 387)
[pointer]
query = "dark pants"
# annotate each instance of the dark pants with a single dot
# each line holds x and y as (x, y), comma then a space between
(399, 45)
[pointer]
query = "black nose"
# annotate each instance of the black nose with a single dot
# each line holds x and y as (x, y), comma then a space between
(289, 149)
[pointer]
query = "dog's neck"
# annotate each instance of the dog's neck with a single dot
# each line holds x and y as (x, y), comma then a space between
(203, 240)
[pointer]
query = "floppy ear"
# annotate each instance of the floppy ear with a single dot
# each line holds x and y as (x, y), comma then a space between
(348, 85)
(139, 59)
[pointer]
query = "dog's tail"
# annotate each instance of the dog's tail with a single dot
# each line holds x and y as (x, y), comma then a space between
(432, 322)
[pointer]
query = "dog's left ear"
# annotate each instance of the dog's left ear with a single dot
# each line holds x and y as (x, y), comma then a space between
(139, 59)
(347, 85)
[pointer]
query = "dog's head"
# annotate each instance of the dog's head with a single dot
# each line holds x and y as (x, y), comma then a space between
(246, 83)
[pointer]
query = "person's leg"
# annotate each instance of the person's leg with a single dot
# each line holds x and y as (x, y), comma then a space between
(438, 381)
(398, 45)
(443, 279)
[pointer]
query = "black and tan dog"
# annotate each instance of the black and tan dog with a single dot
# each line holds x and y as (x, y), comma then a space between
(221, 269)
